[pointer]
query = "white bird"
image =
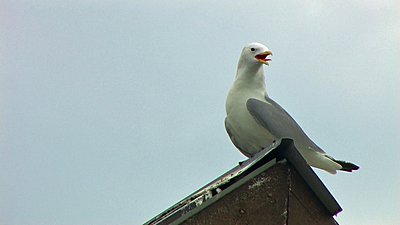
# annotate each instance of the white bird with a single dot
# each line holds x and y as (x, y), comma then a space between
(254, 121)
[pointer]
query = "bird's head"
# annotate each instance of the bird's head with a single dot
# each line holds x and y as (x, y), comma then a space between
(256, 53)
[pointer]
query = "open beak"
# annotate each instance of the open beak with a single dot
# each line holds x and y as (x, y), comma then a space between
(262, 57)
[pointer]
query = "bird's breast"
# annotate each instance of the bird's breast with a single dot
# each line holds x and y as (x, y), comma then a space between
(247, 132)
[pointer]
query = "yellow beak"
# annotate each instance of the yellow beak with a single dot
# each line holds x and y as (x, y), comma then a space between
(262, 57)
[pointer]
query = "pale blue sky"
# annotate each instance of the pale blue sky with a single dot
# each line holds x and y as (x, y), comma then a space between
(112, 111)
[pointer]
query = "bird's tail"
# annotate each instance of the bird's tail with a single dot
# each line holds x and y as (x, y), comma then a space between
(347, 166)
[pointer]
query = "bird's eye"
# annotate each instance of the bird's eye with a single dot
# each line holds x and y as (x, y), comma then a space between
(252, 49)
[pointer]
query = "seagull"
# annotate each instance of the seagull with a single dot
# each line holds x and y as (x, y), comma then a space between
(254, 121)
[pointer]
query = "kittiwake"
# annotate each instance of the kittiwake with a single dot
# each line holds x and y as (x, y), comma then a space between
(254, 121)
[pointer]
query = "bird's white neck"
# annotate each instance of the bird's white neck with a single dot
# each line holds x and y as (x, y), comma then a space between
(251, 77)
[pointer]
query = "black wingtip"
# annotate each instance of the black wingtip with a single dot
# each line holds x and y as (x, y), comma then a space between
(347, 166)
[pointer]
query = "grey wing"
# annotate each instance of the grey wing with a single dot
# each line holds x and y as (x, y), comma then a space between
(278, 122)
